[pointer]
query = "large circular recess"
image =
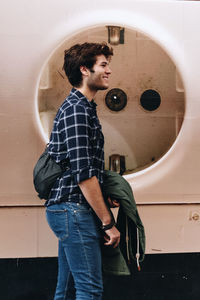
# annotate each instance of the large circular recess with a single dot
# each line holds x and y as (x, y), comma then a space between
(140, 131)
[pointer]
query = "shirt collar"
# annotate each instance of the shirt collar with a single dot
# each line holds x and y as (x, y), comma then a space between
(81, 97)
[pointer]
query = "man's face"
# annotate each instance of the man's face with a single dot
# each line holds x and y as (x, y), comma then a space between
(98, 78)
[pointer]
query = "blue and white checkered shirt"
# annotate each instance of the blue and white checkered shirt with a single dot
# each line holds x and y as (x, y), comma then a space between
(76, 136)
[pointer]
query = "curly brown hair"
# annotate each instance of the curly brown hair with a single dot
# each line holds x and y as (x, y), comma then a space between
(83, 55)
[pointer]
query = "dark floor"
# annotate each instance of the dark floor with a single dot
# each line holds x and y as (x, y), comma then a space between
(163, 277)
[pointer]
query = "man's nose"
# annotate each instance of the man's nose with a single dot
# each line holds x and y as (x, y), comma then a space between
(108, 70)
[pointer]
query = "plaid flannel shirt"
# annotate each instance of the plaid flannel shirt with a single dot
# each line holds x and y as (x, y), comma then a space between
(77, 136)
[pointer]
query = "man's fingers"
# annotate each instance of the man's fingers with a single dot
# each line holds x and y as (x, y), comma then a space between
(112, 237)
(106, 238)
(113, 242)
(116, 244)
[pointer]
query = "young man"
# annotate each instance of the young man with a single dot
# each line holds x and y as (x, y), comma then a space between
(76, 210)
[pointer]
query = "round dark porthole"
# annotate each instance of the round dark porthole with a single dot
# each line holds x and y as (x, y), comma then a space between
(116, 99)
(150, 100)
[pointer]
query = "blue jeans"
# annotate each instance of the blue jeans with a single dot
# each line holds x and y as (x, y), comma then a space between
(79, 254)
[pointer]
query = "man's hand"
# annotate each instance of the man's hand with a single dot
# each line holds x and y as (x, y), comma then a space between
(113, 203)
(92, 192)
(112, 237)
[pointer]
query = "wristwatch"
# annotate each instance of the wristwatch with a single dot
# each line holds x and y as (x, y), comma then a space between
(108, 226)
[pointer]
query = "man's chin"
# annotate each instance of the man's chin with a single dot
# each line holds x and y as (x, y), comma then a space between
(99, 87)
(103, 87)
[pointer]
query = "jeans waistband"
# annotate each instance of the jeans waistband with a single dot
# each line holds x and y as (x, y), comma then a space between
(64, 200)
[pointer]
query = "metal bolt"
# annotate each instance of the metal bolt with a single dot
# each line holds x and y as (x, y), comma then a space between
(195, 216)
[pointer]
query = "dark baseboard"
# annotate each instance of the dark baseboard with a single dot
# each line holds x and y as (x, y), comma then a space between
(163, 277)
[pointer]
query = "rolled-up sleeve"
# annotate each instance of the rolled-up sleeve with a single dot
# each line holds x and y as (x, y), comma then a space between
(75, 125)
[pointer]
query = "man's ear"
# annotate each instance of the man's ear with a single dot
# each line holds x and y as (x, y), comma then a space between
(84, 70)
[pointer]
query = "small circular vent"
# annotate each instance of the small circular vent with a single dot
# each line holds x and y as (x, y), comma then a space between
(150, 100)
(116, 99)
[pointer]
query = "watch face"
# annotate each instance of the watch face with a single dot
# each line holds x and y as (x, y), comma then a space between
(116, 99)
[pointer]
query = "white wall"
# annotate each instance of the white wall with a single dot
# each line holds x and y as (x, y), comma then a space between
(30, 33)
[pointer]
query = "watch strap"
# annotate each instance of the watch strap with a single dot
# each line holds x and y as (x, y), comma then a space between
(108, 226)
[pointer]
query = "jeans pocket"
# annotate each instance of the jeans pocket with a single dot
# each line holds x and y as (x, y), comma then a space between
(86, 222)
(58, 222)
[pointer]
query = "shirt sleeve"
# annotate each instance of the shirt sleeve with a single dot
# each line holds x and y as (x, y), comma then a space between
(76, 131)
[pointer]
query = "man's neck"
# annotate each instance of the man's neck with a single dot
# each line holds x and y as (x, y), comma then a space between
(89, 94)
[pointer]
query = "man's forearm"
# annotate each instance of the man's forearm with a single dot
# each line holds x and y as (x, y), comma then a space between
(92, 192)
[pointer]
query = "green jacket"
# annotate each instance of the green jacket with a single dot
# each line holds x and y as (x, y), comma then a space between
(132, 242)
